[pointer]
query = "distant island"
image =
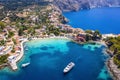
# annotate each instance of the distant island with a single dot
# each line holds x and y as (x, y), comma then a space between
(44, 21)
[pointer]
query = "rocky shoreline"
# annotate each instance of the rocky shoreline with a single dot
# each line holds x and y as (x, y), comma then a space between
(75, 5)
(3, 65)
(113, 69)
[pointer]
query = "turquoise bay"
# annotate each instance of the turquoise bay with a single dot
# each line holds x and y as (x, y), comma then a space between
(106, 20)
(48, 57)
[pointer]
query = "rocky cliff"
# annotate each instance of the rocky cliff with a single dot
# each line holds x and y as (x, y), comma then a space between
(74, 5)
(64, 5)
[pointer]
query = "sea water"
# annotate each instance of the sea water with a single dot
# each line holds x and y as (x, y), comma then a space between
(106, 20)
(48, 58)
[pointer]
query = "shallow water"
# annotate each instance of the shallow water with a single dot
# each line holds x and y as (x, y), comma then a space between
(49, 57)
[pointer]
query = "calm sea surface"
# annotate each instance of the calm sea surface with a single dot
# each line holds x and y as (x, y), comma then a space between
(107, 20)
(49, 57)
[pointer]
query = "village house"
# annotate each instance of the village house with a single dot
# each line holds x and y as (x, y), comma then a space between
(80, 38)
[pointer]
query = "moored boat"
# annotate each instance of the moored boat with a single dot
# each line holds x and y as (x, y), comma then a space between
(69, 67)
(25, 64)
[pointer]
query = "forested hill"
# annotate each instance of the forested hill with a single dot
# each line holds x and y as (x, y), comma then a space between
(18, 5)
(14, 4)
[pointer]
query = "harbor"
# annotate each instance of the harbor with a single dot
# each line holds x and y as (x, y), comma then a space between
(47, 55)
(13, 60)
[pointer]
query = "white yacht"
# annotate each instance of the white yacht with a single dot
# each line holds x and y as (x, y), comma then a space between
(25, 64)
(69, 67)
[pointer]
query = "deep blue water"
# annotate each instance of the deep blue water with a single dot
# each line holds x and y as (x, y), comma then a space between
(49, 57)
(107, 20)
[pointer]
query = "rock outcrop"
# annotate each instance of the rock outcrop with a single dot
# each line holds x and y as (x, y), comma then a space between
(64, 5)
(74, 5)
(113, 69)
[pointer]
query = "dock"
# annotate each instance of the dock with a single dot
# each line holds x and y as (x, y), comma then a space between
(13, 65)
(13, 62)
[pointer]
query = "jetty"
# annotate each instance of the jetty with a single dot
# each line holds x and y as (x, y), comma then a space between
(15, 59)
(13, 65)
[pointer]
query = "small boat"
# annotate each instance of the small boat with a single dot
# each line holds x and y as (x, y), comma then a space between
(69, 67)
(25, 64)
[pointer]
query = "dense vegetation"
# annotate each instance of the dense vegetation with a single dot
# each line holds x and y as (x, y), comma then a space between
(93, 35)
(15, 4)
(3, 59)
(2, 26)
(2, 42)
(53, 30)
(114, 45)
(12, 5)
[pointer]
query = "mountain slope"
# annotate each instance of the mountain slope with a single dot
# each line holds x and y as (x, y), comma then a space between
(70, 5)
(14, 4)
(64, 5)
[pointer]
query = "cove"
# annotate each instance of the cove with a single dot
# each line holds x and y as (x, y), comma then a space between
(106, 20)
(48, 57)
